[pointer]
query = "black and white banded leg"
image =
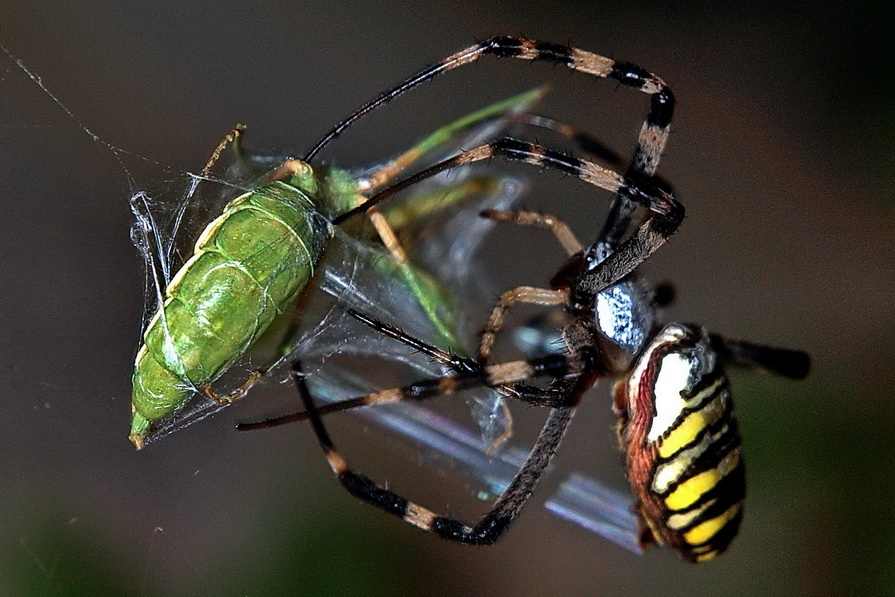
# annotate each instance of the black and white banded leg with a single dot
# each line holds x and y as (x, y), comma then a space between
(653, 133)
(505, 378)
(487, 530)
(643, 192)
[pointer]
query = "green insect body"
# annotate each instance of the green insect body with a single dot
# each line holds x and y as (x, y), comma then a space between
(251, 263)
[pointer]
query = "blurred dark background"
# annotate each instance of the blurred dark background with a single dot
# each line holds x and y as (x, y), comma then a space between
(783, 153)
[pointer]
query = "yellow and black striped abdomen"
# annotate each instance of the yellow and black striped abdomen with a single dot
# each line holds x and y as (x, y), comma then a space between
(682, 444)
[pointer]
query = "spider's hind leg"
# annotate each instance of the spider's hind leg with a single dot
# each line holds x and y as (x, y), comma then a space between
(502, 512)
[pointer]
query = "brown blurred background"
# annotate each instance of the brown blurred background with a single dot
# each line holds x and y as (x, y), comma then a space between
(783, 153)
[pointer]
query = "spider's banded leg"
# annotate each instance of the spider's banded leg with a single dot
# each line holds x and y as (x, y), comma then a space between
(793, 364)
(502, 377)
(590, 146)
(654, 132)
(419, 390)
(511, 111)
(467, 373)
(650, 144)
(646, 194)
(621, 209)
(505, 378)
(560, 229)
(521, 294)
(494, 522)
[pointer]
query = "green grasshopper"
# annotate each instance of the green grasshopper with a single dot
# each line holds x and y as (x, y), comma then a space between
(254, 260)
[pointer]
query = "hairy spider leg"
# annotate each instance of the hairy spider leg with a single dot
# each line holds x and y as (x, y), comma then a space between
(502, 512)
(653, 134)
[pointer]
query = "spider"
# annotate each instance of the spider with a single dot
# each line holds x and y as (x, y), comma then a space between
(676, 423)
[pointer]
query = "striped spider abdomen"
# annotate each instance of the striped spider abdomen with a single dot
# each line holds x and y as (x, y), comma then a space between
(682, 445)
